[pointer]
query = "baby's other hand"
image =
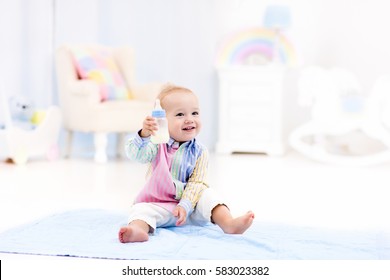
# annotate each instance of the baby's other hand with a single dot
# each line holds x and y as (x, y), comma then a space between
(149, 127)
(181, 215)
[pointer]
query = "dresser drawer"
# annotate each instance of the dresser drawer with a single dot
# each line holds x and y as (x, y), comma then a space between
(249, 133)
(252, 113)
(247, 94)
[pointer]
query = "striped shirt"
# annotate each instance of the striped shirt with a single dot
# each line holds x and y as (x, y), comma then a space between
(178, 175)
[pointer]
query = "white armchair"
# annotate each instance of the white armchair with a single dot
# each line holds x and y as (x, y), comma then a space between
(82, 109)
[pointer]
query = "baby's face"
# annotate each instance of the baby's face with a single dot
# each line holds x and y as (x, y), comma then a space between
(182, 110)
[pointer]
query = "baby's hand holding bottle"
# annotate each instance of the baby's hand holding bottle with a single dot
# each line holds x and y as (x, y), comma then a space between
(149, 127)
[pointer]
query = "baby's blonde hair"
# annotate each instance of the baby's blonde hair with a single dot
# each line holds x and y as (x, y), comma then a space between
(170, 88)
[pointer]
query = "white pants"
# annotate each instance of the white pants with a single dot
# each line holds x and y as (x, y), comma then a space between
(156, 216)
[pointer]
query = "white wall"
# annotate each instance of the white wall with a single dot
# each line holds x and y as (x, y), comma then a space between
(354, 35)
(175, 40)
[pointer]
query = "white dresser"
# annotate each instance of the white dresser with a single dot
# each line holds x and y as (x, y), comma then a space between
(250, 109)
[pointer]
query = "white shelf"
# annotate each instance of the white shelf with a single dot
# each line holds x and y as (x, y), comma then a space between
(250, 109)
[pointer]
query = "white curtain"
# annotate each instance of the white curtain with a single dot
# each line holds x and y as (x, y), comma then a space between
(26, 48)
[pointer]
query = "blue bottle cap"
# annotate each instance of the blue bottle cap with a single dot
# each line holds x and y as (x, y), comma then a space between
(158, 112)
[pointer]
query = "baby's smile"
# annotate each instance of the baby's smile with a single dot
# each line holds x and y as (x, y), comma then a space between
(189, 128)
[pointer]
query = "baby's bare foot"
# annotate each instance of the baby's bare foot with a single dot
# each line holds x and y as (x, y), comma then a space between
(132, 234)
(240, 224)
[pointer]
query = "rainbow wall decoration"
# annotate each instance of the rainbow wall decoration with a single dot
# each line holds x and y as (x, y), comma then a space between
(239, 47)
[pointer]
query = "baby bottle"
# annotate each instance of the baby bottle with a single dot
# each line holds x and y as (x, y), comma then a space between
(162, 134)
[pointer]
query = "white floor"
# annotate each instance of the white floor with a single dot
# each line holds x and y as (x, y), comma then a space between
(289, 189)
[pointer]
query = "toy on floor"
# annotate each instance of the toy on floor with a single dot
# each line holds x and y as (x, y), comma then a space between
(346, 127)
(22, 111)
(25, 133)
(19, 144)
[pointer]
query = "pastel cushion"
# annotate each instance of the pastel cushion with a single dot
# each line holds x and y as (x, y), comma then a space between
(97, 64)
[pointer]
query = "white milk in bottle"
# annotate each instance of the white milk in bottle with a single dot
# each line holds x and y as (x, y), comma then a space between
(162, 134)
